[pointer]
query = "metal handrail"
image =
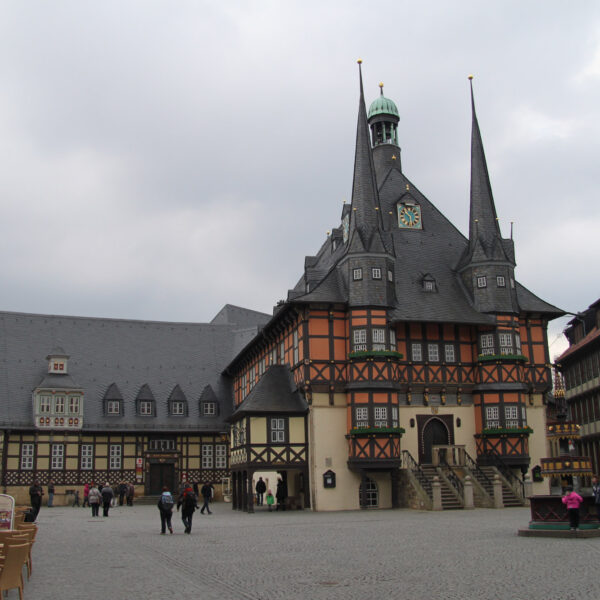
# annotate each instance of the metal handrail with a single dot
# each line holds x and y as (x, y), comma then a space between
(418, 472)
(453, 478)
(506, 471)
(477, 471)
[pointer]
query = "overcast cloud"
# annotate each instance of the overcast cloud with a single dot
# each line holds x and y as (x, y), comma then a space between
(162, 159)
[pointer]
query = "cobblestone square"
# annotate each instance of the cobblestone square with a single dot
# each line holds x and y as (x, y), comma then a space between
(305, 555)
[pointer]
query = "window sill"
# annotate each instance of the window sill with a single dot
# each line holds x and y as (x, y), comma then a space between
(502, 358)
(376, 354)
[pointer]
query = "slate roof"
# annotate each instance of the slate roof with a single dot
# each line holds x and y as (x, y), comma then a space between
(437, 250)
(113, 357)
(275, 392)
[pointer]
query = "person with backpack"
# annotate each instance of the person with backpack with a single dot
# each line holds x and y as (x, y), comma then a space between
(94, 499)
(165, 506)
(188, 503)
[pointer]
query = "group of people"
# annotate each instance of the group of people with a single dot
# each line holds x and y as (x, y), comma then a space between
(187, 502)
(280, 494)
(94, 496)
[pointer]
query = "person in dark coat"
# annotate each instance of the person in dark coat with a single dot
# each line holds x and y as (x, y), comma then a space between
(188, 503)
(35, 494)
(281, 494)
(130, 493)
(206, 492)
(107, 497)
(122, 492)
(261, 488)
(165, 506)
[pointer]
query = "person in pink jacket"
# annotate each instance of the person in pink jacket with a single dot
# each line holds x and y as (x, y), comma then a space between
(572, 500)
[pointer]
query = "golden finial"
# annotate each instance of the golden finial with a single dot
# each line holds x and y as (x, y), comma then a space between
(393, 157)
(381, 87)
(377, 208)
(328, 233)
(359, 61)
(470, 77)
(344, 201)
(407, 187)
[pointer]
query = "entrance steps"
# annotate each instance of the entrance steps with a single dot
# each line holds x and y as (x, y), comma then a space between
(509, 498)
(147, 500)
(449, 499)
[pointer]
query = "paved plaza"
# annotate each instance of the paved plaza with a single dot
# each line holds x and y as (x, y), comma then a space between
(304, 555)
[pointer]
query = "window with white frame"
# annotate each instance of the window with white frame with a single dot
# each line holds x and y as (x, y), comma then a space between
(390, 275)
(177, 408)
(221, 456)
(146, 408)
(161, 445)
(376, 273)
(296, 347)
(416, 352)
(360, 339)
(57, 456)
(252, 381)
(87, 457)
(378, 338)
(356, 274)
(392, 339)
(511, 416)
(506, 346)
(207, 456)
(500, 281)
(281, 353)
(371, 494)
(244, 385)
(113, 407)
(381, 416)
(261, 367)
(45, 404)
(277, 431)
(361, 416)
(209, 409)
(524, 416)
(449, 353)
(74, 405)
(518, 343)
(114, 457)
(492, 417)
(59, 405)
(481, 281)
(433, 352)
(487, 344)
(27, 457)
(395, 420)
(428, 285)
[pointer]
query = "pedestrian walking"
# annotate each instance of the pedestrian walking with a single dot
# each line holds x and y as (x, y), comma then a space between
(165, 506)
(188, 503)
(35, 495)
(281, 494)
(76, 498)
(107, 497)
(94, 499)
(206, 492)
(572, 500)
(261, 488)
(50, 493)
(122, 492)
(86, 493)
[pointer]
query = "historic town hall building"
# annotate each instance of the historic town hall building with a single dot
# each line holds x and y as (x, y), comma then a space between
(405, 351)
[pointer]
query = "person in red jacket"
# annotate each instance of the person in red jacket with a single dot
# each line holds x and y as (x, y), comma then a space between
(573, 501)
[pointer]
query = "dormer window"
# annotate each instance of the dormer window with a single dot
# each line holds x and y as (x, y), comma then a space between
(429, 284)
(145, 407)
(376, 273)
(390, 275)
(177, 402)
(177, 408)
(145, 402)
(209, 409)
(113, 407)
(357, 274)
(481, 281)
(57, 361)
(500, 281)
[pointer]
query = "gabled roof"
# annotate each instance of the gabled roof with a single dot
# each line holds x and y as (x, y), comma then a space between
(275, 392)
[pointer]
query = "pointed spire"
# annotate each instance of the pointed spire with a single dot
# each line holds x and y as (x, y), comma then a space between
(365, 199)
(483, 221)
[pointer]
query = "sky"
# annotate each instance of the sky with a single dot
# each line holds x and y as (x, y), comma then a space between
(159, 160)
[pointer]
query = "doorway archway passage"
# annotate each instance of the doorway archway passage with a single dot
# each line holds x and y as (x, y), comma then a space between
(435, 433)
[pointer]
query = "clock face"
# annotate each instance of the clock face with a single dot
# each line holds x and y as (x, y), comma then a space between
(409, 216)
(345, 226)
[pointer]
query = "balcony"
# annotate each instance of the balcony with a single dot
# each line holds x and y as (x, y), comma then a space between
(566, 465)
(566, 430)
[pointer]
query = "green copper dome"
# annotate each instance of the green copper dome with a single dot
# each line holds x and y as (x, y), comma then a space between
(383, 106)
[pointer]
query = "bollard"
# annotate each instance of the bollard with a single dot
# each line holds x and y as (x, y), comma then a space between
(498, 500)
(437, 493)
(528, 489)
(469, 492)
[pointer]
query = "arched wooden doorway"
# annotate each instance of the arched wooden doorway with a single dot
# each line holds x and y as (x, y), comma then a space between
(435, 433)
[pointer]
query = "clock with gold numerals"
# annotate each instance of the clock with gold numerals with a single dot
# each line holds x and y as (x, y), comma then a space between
(409, 216)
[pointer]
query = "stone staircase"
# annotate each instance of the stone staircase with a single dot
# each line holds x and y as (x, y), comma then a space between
(449, 499)
(509, 497)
